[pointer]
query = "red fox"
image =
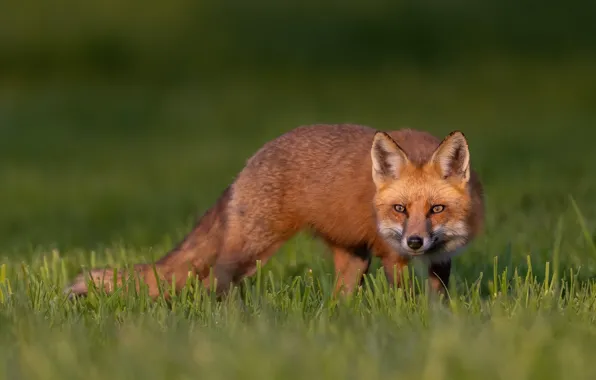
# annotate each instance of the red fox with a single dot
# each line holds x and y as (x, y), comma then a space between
(398, 195)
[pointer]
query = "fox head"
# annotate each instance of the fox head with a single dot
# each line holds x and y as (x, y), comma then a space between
(422, 208)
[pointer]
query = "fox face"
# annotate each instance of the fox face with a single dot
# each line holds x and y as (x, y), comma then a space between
(422, 208)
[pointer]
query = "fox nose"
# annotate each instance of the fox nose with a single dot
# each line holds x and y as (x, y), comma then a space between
(415, 242)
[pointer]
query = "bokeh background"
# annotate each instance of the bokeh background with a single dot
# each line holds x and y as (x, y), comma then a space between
(121, 121)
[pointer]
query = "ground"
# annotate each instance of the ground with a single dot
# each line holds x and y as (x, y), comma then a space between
(96, 173)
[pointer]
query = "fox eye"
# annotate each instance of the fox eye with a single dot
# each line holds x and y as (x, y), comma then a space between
(437, 209)
(399, 208)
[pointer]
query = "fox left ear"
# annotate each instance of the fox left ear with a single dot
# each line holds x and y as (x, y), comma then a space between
(452, 157)
(388, 159)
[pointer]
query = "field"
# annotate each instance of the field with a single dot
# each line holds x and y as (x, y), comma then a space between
(114, 171)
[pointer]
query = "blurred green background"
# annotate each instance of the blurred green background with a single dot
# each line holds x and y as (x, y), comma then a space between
(121, 121)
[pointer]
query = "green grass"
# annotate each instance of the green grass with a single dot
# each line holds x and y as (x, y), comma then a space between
(94, 173)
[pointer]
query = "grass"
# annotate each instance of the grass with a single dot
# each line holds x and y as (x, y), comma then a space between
(99, 173)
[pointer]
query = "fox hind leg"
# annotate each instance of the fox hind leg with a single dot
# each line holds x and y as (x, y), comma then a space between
(231, 267)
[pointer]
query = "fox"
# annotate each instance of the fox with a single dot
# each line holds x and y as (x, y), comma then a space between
(398, 195)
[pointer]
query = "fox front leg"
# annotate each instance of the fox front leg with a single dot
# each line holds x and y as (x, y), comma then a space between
(438, 274)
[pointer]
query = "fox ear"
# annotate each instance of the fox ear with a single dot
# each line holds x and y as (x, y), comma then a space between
(452, 157)
(388, 159)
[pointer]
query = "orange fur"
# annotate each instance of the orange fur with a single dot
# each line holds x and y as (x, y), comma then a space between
(319, 178)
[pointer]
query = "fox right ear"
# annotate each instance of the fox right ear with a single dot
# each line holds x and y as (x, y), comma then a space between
(452, 157)
(388, 159)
